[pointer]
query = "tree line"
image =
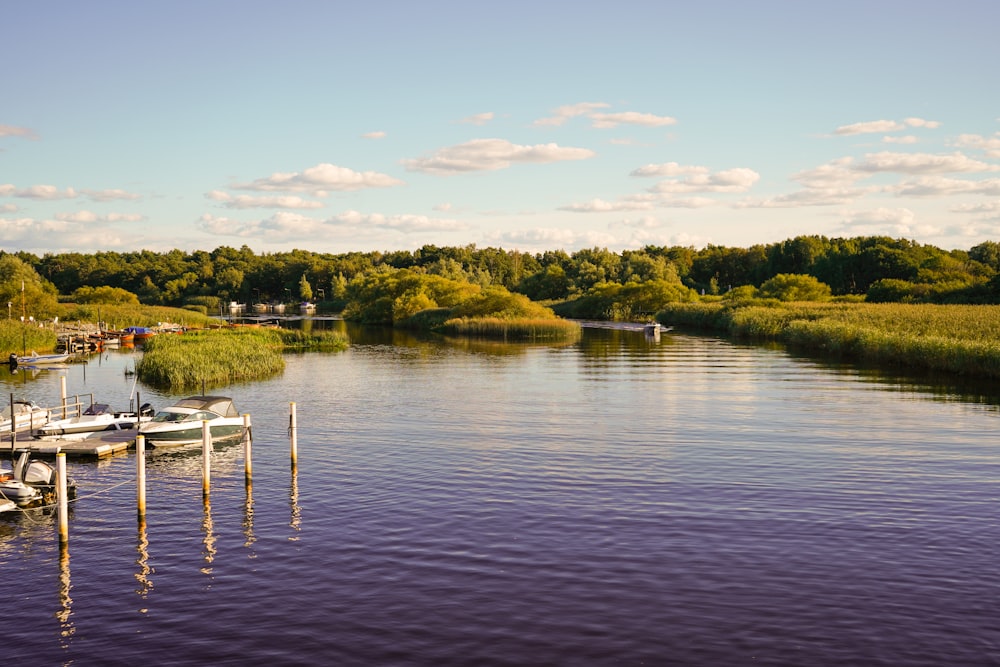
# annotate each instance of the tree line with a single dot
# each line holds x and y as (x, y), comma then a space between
(876, 267)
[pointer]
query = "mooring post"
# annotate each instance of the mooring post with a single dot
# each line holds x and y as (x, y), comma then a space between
(140, 475)
(293, 433)
(13, 425)
(62, 394)
(206, 460)
(63, 502)
(247, 448)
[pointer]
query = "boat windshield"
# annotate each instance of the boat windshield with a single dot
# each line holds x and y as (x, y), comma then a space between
(170, 416)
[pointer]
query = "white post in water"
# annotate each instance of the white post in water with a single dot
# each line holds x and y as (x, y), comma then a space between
(293, 433)
(62, 394)
(140, 474)
(247, 448)
(206, 460)
(61, 497)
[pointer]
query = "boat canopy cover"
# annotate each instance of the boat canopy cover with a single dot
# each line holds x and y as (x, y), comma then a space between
(138, 330)
(220, 405)
(98, 409)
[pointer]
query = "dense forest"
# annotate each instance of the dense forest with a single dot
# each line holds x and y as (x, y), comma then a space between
(876, 268)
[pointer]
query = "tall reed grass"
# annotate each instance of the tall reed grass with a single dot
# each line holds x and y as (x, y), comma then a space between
(221, 356)
(17, 337)
(520, 329)
(960, 339)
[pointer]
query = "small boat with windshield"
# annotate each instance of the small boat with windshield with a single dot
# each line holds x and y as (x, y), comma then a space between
(181, 423)
(95, 418)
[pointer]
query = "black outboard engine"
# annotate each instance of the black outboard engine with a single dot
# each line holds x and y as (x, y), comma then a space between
(146, 410)
(12, 360)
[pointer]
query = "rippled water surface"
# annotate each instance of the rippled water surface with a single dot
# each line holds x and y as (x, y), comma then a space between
(617, 501)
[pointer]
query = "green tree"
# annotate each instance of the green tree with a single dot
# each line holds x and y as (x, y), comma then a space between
(25, 292)
(794, 287)
(305, 289)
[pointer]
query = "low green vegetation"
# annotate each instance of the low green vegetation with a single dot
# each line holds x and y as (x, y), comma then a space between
(960, 339)
(216, 357)
(410, 299)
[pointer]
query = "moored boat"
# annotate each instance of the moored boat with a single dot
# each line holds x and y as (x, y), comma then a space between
(35, 359)
(96, 418)
(181, 423)
(140, 334)
(26, 415)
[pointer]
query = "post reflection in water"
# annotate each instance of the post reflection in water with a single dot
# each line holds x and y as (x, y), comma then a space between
(293, 495)
(145, 569)
(66, 627)
(209, 541)
(248, 533)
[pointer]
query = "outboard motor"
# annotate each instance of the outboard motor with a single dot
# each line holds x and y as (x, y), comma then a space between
(12, 360)
(146, 410)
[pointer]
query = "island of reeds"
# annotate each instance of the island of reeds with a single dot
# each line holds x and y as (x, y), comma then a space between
(216, 357)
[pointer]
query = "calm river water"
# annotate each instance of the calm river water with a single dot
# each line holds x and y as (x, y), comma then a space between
(617, 501)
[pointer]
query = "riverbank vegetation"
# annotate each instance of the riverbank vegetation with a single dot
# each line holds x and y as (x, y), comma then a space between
(959, 339)
(218, 357)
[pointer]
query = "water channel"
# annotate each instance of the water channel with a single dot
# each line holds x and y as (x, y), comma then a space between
(687, 501)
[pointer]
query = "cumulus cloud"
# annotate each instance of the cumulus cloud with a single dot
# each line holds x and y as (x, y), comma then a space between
(934, 186)
(54, 236)
(807, 197)
(478, 119)
(989, 145)
(876, 126)
(110, 195)
(922, 163)
(607, 120)
(52, 193)
(645, 222)
(561, 114)
(374, 135)
(601, 206)
(15, 131)
(247, 201)
(90, 217)
(492, 154)
(740, 179)
(319, 180)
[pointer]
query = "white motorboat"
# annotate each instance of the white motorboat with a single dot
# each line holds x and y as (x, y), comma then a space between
(96, 418)
(181, 423)
(7, 505)
(26, 415)
(31, 480)
(35, 359)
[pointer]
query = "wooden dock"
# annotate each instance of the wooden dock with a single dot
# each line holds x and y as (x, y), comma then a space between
(99, 445)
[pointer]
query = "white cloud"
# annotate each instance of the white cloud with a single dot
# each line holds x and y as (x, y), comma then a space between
(645, 222)
(940, 187)
(833, 175)
(668, 169)
(564, 113)
(15, 131)
(443, 207)
(905, 139)
(990, 145)
(807, 197)
(478, 119)
(606, 120)
(492, 154)
(884, 221)
(374, 135)
(875, 126)
(740, 179)
(55, 236)
(246, 201)
(403, 223)
(319, 180)
(42, 192)
(89, 217)
(601, 206)
(922, 163)
(110, 195)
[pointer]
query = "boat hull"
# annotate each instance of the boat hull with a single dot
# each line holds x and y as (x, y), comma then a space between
(161, 438)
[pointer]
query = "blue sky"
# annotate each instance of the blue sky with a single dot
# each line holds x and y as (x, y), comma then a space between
(349, 126)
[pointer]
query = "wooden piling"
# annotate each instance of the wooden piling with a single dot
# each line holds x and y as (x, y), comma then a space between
(140, 475)
(206, 457)
(63, 501)
(293, 433)
(247, 448)
(62, 394)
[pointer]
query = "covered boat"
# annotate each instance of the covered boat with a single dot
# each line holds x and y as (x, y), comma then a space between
(140, 334)
(181, 423)
(97, 417)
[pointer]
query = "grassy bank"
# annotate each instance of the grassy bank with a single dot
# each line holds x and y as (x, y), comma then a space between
(522, 329)
(961, 339)
(19, 338)
(222, 356)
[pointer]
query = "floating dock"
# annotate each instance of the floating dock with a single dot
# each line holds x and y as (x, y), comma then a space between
(99, 445)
